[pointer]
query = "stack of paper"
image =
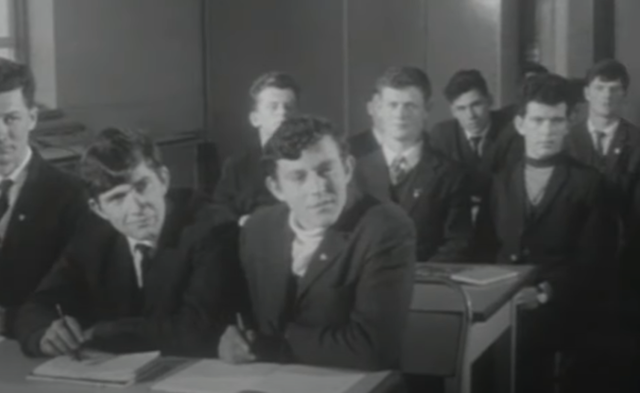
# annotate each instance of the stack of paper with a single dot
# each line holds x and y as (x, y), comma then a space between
(102, 369)
(213, 376)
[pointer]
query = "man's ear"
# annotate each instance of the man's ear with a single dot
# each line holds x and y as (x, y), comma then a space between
(518, 122)
(349, 166)
(253, 119)
(165, 176)
(33, 117)
(95, 206)
(274, 187)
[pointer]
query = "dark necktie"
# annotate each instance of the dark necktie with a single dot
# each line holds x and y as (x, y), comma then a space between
(145, 262)
(398, 170)
(600, 143)
(5, 186)
(475, 144)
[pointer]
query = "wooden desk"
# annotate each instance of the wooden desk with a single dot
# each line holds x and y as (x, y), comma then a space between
(178, 152)
(14, 367)
(435, 319)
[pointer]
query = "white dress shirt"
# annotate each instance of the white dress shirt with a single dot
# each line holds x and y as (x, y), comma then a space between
(305, 244)
(609, 134)
(137, 257)
(18, 176)
(412, 155)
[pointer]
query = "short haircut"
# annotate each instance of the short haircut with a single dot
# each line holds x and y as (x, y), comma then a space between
(547, 89)
(531, 67)
(113, 155)
(295, 135)
(609, 70)
(17, 76)
(463, 82)
(275, 79)
(404, 77)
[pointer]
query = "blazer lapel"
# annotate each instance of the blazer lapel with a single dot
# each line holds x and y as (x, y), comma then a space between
(424, 178)
(120, 277)
(618, 147)
(375, 174)
(324, 257)
(30, 200)
(556, 183)
(517, 197)
(581, 145)
(273, 279)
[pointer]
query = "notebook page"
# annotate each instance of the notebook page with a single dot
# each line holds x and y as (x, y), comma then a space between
(120, 368)
(214, 376)
(296, 379)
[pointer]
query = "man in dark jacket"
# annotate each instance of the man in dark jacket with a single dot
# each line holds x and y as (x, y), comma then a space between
(147, 270)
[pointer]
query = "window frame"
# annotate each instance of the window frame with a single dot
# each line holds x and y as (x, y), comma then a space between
(17, 39)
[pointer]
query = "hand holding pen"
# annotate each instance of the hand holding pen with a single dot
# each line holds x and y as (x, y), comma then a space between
(235, 343)
(64, 336)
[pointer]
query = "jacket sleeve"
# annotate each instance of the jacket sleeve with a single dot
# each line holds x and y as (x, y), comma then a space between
(587, 275)
(457, 225)
(64, 286)
(205, 308)
(372, 338)
(227, 189)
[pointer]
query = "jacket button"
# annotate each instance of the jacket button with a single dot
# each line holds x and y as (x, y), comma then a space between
(514, 258)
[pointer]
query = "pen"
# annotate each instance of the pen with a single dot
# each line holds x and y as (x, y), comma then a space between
(75, 354)
(240, 322)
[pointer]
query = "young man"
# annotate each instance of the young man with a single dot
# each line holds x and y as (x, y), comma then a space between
(548, 210)
(472, 136)
(395, 162)
(330, 270)
(39, 205)
(147, 270)
(609, 143)
(241, 188)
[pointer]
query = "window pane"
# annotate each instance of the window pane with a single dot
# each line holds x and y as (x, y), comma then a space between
(4, 18)
(7, 53)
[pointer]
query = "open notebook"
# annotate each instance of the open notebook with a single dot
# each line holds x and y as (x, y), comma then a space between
(214, 376)
(98, 368)
(466, 274)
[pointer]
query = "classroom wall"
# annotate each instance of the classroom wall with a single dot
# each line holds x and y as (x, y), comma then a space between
(627, 33)
(337, 48)
(131, 62)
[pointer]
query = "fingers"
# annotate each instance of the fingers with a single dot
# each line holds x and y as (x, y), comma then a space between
(59, 340)
(75, 329)
(233, 348)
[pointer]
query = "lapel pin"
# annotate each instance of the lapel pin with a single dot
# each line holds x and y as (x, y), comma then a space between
(21, 217)
(617, 151)
(323, 257)
(417, 192)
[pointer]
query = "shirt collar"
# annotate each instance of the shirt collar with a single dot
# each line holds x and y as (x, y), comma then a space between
(412, 155)
(134, 242)
(302, 233)
(607, 131)
(18, 171)
(482, 134)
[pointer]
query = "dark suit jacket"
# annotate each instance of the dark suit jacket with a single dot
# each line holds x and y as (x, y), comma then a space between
(450, 139)
(620, 166)
(621, 169)
(242, 186)
(187, 292)
(570, 236)
(439, 206)
(351, 305)
(43, 221)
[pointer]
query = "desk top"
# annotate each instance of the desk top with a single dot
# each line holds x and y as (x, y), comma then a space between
(486, 300)
(14, 367)
(61, 148)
